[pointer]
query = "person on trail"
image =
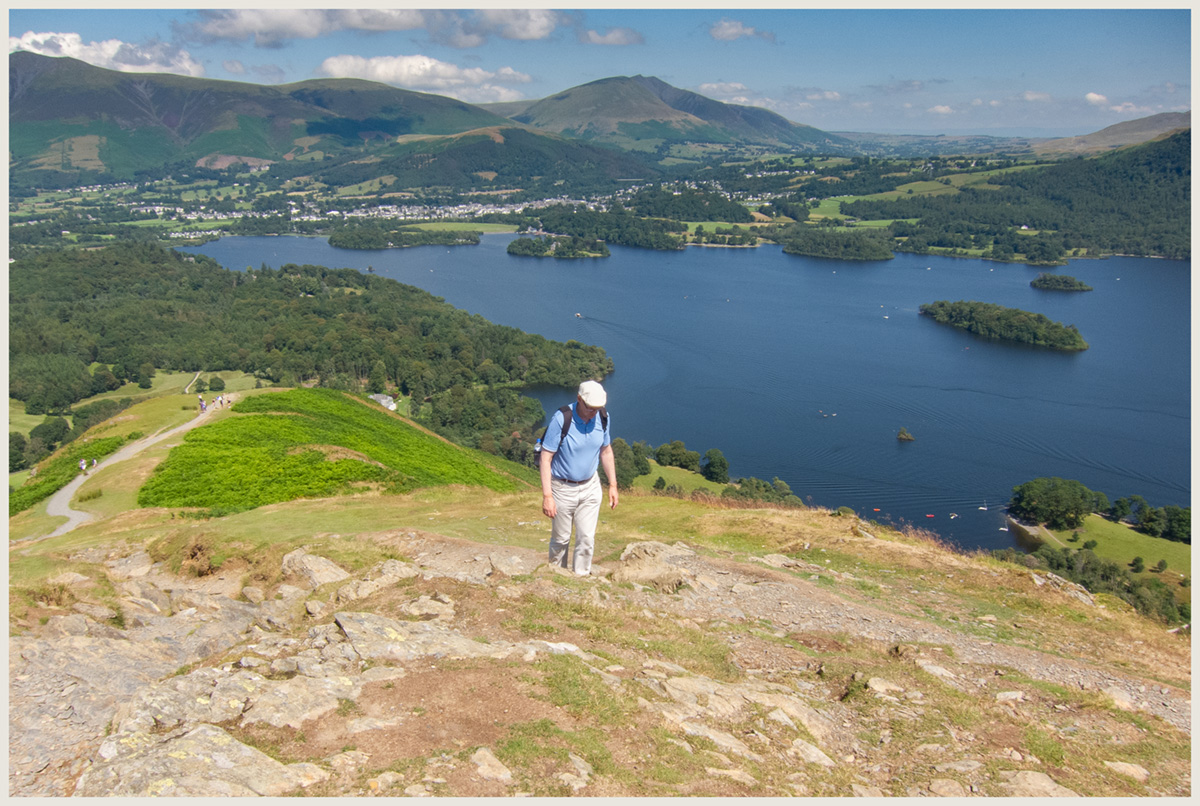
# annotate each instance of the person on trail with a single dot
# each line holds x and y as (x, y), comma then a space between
(83, 466)
(577, 440)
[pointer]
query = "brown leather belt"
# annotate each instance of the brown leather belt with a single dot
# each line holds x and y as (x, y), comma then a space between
(569, 481)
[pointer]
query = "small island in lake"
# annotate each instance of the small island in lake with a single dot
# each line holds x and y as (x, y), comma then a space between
(1007, 324)
(904, 436)
(558, 246)
(1058, 282)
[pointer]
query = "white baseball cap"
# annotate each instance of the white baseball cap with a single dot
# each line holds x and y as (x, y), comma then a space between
(592, 394)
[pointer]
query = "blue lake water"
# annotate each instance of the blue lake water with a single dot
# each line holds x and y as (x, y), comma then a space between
(805, 369)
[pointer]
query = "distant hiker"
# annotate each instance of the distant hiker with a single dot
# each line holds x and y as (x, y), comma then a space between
(93, 461)
(576, 441)
(83, 465)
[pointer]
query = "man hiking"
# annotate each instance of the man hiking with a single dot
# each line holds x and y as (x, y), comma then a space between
(576, 441)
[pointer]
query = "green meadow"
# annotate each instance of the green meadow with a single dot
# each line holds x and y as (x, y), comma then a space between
(1120, 544)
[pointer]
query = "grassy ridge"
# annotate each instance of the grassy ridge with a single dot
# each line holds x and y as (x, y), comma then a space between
(307, 443)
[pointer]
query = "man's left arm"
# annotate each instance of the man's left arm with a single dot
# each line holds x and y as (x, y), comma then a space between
(610, 471)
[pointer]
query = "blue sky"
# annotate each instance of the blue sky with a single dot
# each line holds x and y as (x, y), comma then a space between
(918, 71)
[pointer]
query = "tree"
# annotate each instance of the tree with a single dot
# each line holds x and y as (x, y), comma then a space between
(201, 386)
(216, 383)
(16, 452)
(51, 431)
(1059, 503)
(1162, 566)
(377, 384)
(675, 454)
(1138, 565)
(1120, 509)
(715, 466)
(1177, 524)
(660, 483)
(1150, 521)
(626, 463)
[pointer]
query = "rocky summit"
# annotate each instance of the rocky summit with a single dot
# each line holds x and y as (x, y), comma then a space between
(458, 668)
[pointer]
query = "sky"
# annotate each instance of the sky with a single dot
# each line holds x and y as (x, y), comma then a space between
(1007, 72)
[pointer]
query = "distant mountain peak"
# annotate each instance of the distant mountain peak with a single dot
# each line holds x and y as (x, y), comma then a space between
(627, 109)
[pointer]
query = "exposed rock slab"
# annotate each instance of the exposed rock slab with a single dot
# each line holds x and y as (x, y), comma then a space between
(204, 761)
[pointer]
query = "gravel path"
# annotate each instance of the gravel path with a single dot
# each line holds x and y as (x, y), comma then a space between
(59, 504)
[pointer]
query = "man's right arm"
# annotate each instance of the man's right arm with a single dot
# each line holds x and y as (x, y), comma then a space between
(548, 507)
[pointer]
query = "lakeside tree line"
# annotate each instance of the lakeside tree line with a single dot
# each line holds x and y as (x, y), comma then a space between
(134, 308)
(802, 239)
(1064, 503)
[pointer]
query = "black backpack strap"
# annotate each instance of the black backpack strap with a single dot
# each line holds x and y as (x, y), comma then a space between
(603, 419)
(567, 414)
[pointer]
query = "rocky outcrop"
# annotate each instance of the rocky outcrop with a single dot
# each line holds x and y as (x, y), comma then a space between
(156, 708)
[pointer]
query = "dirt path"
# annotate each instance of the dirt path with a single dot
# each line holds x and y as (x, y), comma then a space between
(59, 504)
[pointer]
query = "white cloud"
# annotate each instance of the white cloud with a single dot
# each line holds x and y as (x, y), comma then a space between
(941, 109)
(728, 30)
(724, 88)
(521, 24)
(1128, 108)
(153, 56)
(977, 102)
(428, 74)
(1037, 97)
(824, 95)
(273, 27)
(1096, 99)
(234, 66)
(613, 36)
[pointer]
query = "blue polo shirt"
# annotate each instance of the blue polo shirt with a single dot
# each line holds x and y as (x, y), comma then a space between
(577, 458)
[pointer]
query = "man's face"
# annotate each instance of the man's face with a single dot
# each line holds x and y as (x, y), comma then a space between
(584, 411)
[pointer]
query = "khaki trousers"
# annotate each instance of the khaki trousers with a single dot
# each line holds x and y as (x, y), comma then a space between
(578, 505)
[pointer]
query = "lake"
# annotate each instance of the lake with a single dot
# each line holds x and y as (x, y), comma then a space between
(805, 369)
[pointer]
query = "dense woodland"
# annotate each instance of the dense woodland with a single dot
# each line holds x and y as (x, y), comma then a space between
(800, 239)
(1009, 324)
(561, 247)
(134, 308)
(617, 226)
(1134, 201)
(688, 205)
(375, 236)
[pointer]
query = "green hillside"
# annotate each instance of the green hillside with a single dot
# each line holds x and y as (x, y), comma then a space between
(66, 116)
(309, 443)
